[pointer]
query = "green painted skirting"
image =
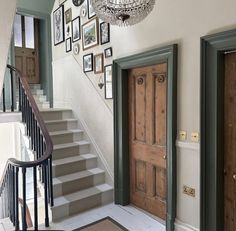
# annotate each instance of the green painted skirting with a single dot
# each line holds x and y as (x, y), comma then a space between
(120, 92)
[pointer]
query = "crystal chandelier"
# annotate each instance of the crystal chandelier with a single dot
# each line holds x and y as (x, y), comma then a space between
(122, 12)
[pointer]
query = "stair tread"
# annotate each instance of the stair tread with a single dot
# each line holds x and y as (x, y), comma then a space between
(58, 121)
(73, 159)
(62, 132)
(55, 109)
(77, 175)
(67, 145)
(82, 194)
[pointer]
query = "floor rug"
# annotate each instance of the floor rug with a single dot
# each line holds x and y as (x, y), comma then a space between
(105, 224)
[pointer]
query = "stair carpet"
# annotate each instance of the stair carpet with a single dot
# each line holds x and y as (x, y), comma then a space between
(78, 183)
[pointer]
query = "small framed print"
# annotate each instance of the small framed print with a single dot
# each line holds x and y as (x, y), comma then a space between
(104, 33)
(68, 15)
(88, 62)
(108, 81)
(108, 52)
(90, 34)
(58, 25)
(91, 12)
(76, 33)
(68, 45)
(98, 63)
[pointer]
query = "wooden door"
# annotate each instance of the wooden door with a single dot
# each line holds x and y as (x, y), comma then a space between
(147, 138)
(230, 143)
(27, 51)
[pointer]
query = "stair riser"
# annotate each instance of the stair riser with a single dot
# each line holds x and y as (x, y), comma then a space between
(35, 86)
(56, 115)
(67, 138)
(60, 126)
(43, 105)
(74, 167)
(81, 205)
(70, 151)
(78, 184)
(37, 92)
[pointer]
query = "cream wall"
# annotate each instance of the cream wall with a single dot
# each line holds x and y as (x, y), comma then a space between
(182, 22)
(7, 13)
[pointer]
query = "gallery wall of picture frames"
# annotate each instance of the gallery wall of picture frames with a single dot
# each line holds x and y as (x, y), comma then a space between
(80, 29)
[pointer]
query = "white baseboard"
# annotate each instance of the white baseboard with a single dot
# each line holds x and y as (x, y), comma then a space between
(181, 226)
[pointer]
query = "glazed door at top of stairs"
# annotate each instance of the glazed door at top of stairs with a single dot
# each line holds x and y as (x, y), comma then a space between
(26, 31)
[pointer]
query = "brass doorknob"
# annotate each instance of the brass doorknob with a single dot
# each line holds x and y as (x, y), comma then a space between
(234, 176)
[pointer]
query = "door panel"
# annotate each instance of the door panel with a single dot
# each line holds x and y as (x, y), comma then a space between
(230, 143)
(27, 59)
(147, 138)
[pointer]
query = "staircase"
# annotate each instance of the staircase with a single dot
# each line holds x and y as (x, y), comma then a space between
(78, 183)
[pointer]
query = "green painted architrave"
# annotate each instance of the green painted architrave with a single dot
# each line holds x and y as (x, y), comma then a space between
(120, 92)
(213, 48)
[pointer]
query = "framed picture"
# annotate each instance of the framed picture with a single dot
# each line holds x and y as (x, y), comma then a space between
(68, 15)
(90, 34)
(88, 62)
(68, 30)
(104, 32)
(58, 25)
(108, 81)
(108, 52)
(91, 12)
(76, 33)
(68, 45)
(98, 63)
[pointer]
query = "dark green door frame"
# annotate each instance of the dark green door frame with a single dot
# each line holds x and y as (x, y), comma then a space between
(213, 48)
(120, 91)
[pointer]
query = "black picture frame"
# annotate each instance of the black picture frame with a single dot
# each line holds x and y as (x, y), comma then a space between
(68, 45)
(104, 33)
(88, 64)
(91, 12)
(58, 25)
(108, 81)
(108, 52)
(76, 29)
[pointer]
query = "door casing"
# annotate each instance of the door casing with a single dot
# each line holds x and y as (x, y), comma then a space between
(212, 128)
(121, 143)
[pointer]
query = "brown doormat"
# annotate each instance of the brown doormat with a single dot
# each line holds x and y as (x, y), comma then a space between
(105, 224)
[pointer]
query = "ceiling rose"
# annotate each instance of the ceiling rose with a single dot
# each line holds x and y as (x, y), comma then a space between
(122, 12)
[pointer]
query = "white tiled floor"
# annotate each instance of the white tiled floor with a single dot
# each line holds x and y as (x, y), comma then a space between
(128, 216)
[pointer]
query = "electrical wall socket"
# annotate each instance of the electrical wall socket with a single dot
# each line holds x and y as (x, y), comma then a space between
(182, 135)
(189, 191)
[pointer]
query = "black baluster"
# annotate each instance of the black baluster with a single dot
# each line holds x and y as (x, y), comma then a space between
(51, 184)
(16, 201)
(35, 200)
(13, 195)
(24, 225)
(45, 194)
(3, 99)
(12, 91)
(20, 95)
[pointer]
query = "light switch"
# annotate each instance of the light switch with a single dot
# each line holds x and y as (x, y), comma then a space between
(182, 135)
(195, 137)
